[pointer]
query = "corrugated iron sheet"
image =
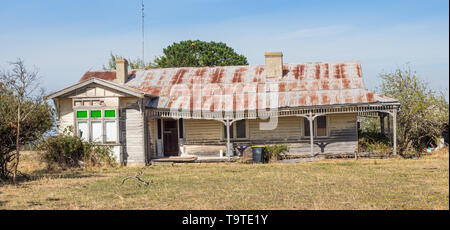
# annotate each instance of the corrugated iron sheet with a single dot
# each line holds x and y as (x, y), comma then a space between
(240, 88)
(105, 75)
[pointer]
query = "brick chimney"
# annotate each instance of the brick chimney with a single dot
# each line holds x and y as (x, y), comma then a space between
(274, 65)
(121, 70)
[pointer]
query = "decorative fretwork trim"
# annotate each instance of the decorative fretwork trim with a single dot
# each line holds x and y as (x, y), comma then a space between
(362, 110)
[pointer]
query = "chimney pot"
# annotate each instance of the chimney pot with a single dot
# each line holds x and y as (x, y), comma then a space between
(121, 70)
(274, 65)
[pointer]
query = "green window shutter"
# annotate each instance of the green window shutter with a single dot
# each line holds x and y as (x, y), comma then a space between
(81, 114)
(110, 113)
(96, 113)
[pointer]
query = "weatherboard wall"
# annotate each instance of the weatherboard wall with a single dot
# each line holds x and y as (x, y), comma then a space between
(132, 128)
(206, 137)
(132, 145)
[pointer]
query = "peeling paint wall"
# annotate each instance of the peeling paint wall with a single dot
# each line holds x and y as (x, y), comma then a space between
(199, 131)
(203, 137)
(152, 134)
(288, 128)
(132, 131)
(65, 115)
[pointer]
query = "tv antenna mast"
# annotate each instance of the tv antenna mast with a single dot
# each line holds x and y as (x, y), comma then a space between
(143, 36)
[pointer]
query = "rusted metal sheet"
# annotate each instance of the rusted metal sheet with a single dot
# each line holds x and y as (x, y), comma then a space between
(240, 88)
(105, 75)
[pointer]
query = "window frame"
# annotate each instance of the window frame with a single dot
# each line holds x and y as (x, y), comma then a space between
(236, 131)
(105, 141)
(87, 129)
(233, 131)
(95, 118)
(159, 129)
(181, 131)
(327, 123)
(326, 126)
(100, 119)
(91, 130)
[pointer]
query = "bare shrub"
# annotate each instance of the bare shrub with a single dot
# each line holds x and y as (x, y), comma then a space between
(68, 151)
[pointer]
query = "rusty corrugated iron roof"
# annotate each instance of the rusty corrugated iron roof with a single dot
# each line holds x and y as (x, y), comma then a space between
(109, 75)
(241, 88)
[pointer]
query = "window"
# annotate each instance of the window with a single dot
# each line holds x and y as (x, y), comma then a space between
(225, 131)
(238, 129)
(319, 127)
(159, 129)
(306, 127)
(96, 113)
(180, 127)
(96, 128)
(110, 113)
(111, 131)
(96, 103)
(77, 103)
(81, 114)
(83, 130)
(97, 125)
(82, 102)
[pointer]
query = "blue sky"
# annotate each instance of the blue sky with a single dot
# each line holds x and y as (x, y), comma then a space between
(65, 38)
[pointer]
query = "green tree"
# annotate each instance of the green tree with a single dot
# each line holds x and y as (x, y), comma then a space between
(423, 112)
(199, 53)
(25, 115)
(132, 63)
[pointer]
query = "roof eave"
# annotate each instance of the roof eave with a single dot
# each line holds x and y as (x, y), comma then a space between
(378, 103)
(113, 85)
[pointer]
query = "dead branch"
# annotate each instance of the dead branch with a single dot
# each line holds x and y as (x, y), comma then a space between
(138, 178)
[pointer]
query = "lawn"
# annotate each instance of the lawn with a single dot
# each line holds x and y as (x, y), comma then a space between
(328, 184)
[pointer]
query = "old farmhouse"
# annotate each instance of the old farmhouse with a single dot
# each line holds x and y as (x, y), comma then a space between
(221, 111)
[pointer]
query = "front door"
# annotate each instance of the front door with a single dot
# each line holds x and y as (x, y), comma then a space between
(170, 138)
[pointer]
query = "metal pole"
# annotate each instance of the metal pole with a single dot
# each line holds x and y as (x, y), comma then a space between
(394, 123)
(389, 127)
(228, 138)
(143, 36)
(382, 123)
(311, 119)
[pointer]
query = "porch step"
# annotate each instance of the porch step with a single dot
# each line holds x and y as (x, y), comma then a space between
(174, 160)
(216, 159)
(205, 154)
(170, 160)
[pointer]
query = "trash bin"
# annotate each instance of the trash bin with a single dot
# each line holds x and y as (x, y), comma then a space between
(258, 153)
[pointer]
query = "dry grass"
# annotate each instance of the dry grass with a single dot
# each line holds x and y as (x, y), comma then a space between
(329, 184)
